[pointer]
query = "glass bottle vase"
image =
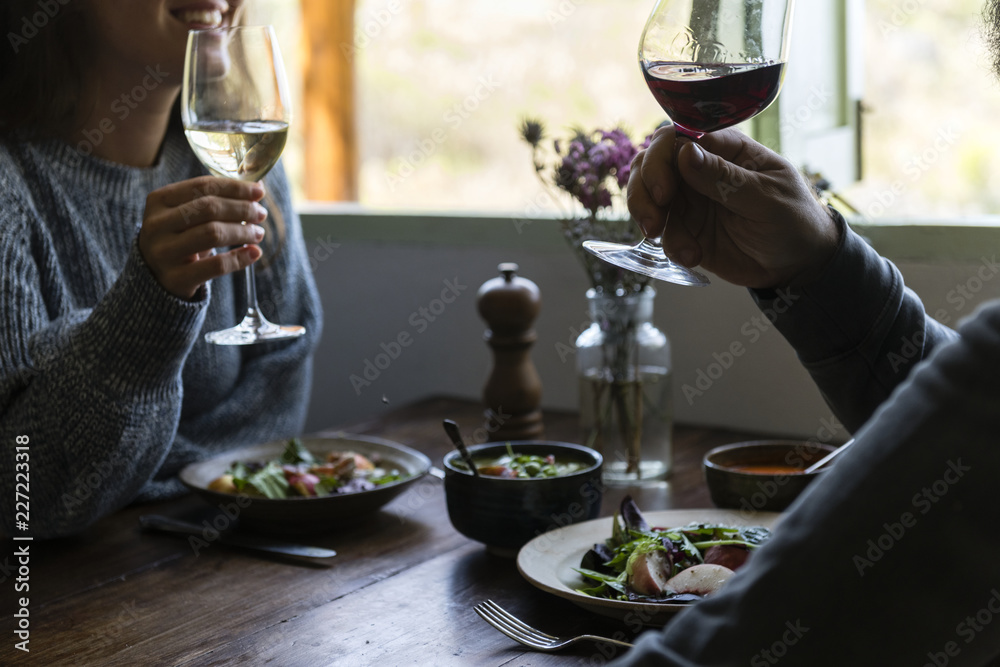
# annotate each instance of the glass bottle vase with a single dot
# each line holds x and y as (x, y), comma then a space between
(626, 393)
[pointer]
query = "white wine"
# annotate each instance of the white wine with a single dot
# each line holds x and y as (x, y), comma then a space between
(238, 149)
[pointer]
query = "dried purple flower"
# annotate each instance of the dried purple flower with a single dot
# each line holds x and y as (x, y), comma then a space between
(532, 131)
(593, 168)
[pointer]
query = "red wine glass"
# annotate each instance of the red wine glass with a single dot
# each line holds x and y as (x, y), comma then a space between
(710, 64)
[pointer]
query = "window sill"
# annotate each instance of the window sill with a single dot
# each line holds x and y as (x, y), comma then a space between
(352, 222)
(923, 241)
(932, 242)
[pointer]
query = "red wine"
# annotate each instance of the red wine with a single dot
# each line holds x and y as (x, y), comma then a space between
(704, 97)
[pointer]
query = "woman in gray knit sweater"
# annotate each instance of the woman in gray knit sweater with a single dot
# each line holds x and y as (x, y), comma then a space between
(109, 273)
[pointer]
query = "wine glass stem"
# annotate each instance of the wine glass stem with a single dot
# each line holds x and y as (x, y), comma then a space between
(652, 245)
(253, 312)
(650, 248)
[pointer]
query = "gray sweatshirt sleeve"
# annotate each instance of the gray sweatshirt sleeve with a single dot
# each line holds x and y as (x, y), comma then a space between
(891, 557)
(857, 330)
(99, 385)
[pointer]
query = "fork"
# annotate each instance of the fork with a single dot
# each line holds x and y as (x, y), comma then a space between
(521, 632)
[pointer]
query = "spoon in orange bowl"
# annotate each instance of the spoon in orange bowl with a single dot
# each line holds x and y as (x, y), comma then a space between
(829, 457)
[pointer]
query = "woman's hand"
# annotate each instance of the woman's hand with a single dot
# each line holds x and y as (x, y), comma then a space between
(731, 206)
(184, 222)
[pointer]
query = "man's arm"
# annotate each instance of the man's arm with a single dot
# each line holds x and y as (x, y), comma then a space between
(891, 557)
(857, 329)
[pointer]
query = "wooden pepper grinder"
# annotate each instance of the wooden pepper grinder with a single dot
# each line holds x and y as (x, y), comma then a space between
(513, 392)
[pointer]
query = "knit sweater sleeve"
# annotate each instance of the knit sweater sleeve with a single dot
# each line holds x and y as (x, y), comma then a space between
(96, 393)
(270, 400)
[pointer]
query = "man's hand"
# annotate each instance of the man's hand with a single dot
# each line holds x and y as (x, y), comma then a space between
(731, 206)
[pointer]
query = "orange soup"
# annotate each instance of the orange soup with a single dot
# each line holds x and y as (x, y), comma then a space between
(768, 469)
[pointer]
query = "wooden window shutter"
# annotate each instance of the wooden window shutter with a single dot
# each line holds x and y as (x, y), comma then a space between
(328, 100)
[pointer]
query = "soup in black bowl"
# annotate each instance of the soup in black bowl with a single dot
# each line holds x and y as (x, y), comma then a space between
(503, 511)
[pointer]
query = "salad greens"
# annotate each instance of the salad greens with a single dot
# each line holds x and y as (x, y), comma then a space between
(296, 452)
(297, 473)
(525, 466)
(639, 563)
(269, 481)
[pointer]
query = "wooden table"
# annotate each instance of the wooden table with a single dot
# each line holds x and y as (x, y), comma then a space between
(399, 592)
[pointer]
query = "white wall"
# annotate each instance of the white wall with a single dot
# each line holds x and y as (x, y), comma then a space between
(372, 291)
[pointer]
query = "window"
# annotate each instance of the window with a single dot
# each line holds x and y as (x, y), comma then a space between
(815, 122)
(896, 92)
(441, 86)
(444, 84)
(917, 76)
(930, 131)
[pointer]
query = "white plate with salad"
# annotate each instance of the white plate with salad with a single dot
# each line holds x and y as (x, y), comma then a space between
(554, 561)
(307, 485)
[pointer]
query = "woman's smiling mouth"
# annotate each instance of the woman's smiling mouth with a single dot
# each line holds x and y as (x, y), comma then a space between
(202, 16)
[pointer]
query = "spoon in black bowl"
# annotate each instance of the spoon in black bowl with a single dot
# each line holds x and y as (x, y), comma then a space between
(451, 428)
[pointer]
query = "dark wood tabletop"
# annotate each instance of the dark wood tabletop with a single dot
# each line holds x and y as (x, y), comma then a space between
(399, 592)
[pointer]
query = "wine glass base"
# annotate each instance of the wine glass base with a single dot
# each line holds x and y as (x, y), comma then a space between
(253, 331)
(638, 260)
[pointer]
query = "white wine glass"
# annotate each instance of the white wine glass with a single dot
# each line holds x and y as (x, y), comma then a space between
(710, 64)
(235, 106)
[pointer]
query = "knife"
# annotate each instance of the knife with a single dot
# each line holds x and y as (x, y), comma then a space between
(168, 525)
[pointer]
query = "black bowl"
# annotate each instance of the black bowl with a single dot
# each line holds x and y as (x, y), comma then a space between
(504, 514)
(754, 491)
